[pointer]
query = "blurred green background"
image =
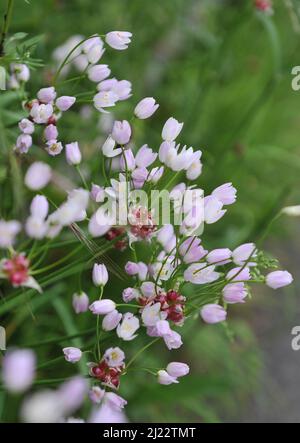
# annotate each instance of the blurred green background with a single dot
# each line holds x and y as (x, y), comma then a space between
(225, 70)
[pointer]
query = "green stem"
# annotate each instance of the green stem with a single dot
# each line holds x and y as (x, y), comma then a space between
(6, 23)
(141, 351)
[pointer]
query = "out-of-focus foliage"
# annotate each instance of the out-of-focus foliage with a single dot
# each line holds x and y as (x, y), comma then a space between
(224, 70)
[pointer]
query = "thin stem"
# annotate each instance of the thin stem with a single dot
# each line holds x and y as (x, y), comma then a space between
(82, 178)
(141, 351)
(6, 23)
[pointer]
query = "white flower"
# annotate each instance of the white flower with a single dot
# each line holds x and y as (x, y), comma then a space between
(41, 113)
(108, 148)
(129, 325)
(114, 357)
(152, 314)
(8, 232)
(200, 273)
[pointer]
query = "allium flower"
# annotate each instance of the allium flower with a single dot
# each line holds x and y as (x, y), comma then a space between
(39, 206)
(118, 39)
(18, 370)
(127, 160)
(220, 256)
(130, 294)
(278, 279)
(177, 369)
(114, 357)
(26, 126)
(41, 113)
(171, 129)
(72, 355)
(213, 313)
(213, 209)
(102, 307)
(73, 154)
(139, 176)
(152, 314)
(145, 108)
(38, 176)
(200, 274)
(166, 379)
(225, 193)
(131, 268)
(239, 274)
(54, 147)
(172, 340)
(80, 302)
(121, 132)
(127, 328)
(36, 227)
(242, 254)
(51, 132)
(97, 73)
(100, 275)
(111, 320)
(21, 72)
(148, 289)
(191, 250)
(65, 102)
(115, 400)
(8, 232)
(96, 394)
(108, 148)
(235, 293)
(23, 143)
(105, 99)
(145, 157)
(122, 89)
(46, 95)
(194, 170)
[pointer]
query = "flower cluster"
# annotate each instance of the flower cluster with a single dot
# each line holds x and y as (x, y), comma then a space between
(179, 281)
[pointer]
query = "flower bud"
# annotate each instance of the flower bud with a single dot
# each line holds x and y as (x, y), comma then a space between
(65, 102)
(100, 275)
(102, 307)
(278, 279)
(72, 355)
(80, 302)
(73, 154)
(145, 108)
(176, 369)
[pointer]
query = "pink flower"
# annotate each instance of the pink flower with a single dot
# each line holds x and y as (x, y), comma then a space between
(165, 379)
(80, 302)
(72, 355)
(200, 274)
(38, 176)
(130, 294)
(54, 147)
(111, 320)
(41, 113)
(23, 143)
(139, 176)
(213, 313)
(65, 102)
(234, 293)
(105, 99)
(97, 193)
(115, 400)
(145, 108)
(177, 369)
(98, 73)
(127, 160)
(145, 157)
(213, 209)
(131, 268)
(102, 307)
(51, 132)
(18, 370)
(225, 193)
(148, 288)
(39, 207)
(171, 129)
(118, 39)
(8, 232)
(242, 254)
(114, 357)
(219, 257)
(172, 340)
(96, 394)
(100, 275)
(46, 95)
(239, 274)
(73, 154)
(121, 132)
(191, 250)
(278, 279)
(26, 126)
